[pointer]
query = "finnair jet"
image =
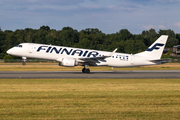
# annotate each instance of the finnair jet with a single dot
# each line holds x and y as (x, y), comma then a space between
(70, 57)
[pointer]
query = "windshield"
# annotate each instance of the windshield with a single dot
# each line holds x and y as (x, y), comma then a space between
(19, 46)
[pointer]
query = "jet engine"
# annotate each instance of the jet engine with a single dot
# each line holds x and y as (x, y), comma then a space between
(69, 62)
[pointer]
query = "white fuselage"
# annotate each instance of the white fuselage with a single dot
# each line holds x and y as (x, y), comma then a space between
(57, 53)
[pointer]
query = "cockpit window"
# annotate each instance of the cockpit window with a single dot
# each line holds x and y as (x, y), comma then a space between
(19, 46)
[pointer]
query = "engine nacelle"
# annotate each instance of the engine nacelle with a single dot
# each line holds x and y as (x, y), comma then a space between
(69, 62)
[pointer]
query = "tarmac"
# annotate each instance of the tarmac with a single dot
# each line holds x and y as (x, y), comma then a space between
(93, 74)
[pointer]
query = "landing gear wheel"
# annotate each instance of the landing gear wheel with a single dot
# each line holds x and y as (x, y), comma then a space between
(23, 63)
(86, 69)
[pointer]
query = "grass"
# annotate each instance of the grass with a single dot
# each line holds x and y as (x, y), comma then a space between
(90, 99)
(55, 67)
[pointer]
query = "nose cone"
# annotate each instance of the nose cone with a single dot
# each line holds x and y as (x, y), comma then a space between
(9, 51)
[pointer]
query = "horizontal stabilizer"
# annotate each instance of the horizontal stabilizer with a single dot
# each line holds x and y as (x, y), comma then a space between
(160, 60)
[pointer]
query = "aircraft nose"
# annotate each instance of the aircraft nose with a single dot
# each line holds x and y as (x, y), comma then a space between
(9, 51)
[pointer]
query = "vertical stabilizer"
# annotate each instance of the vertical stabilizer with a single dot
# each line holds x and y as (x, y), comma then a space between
(156, 49)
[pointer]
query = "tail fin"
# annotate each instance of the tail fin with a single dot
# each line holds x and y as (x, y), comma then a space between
(156, 49)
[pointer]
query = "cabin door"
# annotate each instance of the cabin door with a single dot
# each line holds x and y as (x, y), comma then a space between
(132, 59)
(30, 49)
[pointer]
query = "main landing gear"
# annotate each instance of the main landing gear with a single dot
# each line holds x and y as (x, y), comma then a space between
(86, 69)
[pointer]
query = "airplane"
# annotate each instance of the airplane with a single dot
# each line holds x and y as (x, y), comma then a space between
(70, 57)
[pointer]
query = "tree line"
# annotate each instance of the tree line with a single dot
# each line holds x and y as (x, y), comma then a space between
(90, 38)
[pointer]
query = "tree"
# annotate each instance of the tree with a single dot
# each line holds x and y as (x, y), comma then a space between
(90, 38)
(178, 37)
(8, 58)
(171, 37)
(47, 28)
(171, 42)
(135, 44)
(69, 36)
(168, 32)
(124, 34)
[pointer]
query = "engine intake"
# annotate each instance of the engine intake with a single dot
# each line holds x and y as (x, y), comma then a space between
(69, 62)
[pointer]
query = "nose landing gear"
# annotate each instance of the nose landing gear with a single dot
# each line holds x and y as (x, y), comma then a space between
(86, 69)
(24, 60)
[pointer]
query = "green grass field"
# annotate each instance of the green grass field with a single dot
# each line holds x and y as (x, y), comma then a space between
(90, 99)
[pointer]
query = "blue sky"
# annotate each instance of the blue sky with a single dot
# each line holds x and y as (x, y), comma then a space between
(109, 16)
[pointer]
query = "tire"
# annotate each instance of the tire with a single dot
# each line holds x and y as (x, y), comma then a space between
(87, 70)
(84, 70)
(23, 63)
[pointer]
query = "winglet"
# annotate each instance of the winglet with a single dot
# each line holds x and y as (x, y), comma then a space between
(112, 53)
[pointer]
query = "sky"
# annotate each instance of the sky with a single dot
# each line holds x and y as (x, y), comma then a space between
(109, 16)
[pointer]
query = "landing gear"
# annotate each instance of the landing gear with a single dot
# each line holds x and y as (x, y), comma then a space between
(23, 63)
(86, 69)
(24, 60)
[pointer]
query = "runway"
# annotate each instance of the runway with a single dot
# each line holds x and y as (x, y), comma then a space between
(93, 74)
